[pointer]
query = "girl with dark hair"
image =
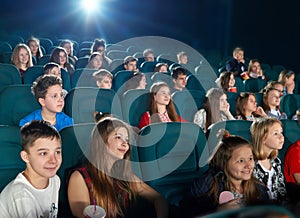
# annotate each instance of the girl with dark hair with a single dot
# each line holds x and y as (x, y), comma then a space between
(160, 106)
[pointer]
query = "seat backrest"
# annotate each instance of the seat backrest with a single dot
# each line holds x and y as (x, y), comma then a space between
(134, 104)
(165, 77)
(188, 102)
(9, 75)
(10, 161)
(193, 82)
(169, 155)
(116, 66)
(5, 57)
(46, 43)
(235, 127)
(16, 102)
(82, 62)
(254, 85)
(289, 104)
(75, 147)
(120, 79)
(5, 47)
(82, 102)
(231, 98)
(147, 66)
(239, 84)
(32, 73)
(44, 60)
(84, 52)
(291, 132)
(166, 58)
(83, 77)
(117, 54)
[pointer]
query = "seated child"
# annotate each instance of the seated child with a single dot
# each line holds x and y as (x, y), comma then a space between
(48, 92)
(34, 192)
(103, 78)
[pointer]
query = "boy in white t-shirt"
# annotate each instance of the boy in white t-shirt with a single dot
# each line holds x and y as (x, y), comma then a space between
(34, 192)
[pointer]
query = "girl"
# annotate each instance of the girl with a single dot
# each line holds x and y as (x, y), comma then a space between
(95, 61)
(287, 77)
(267, 139)
(137, 81)
(271, 103)
(161, 67)
(254, 69)
(226, 81)
(68, 45)
(21, 58)
(107, 179)
(246, 107)
(215, 108)
(60, 56)
(35, 48)
(160, 106)
(230, 169)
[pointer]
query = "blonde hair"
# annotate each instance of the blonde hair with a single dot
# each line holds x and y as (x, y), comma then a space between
(15, 56)
(259, 131)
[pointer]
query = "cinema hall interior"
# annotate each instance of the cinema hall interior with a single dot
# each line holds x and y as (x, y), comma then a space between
(162, 108)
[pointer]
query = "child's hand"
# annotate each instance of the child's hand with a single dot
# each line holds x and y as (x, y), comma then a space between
(260, 111)
(233, 204)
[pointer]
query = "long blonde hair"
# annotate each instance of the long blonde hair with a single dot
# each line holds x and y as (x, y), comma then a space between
(259, 130)
(104, 186)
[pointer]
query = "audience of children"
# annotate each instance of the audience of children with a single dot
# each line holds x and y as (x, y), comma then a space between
(47, 90)
(237, 63)
(34, 192)
(99, 45)
(107, 180)
(160, 106)
(214, 109)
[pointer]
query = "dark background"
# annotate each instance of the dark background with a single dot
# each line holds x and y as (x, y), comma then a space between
(266, 29)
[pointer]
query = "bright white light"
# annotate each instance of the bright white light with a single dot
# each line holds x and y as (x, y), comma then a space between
(90, 5)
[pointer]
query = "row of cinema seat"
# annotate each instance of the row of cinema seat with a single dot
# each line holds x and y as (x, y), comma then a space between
(168, 156)
(80, 103)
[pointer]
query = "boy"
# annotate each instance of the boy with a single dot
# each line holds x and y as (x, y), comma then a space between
(52, 69)
(47, 90)
(179, 79)
(34, 192)
(103, 78)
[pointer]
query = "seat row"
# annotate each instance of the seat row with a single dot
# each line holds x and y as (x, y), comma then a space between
(168, 156)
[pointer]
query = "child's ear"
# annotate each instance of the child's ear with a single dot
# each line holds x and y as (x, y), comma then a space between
(41, 101)
(24, 156)
(98, 83)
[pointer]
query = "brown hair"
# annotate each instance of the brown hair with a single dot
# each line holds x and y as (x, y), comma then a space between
(152, 106)
(241, 101)
(103, 184)
(219, 161)
(223, 81)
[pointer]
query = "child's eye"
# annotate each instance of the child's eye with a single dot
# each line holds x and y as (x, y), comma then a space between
(58, 152)
(43, 153)
(240, 161)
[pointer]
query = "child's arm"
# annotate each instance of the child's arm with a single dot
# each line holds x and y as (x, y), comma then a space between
(78, 194)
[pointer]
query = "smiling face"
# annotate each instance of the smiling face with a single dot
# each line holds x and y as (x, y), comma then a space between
(231, 81)
(117, 142)
(54, 100)
(43, 159)
(240, 165)
(62, 58)
(163, 96)
(274, 139)
(23, 56)
(223, 103)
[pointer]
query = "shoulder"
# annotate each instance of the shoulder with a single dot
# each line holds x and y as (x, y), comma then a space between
(200, 112)
(35, 115)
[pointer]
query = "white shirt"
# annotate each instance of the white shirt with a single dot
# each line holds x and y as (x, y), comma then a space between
(20, 199)
(270, 183)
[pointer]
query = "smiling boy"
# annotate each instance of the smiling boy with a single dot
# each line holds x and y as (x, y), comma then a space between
(34, 192)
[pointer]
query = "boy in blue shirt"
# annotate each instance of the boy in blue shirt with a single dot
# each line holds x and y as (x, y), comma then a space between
(48, 92)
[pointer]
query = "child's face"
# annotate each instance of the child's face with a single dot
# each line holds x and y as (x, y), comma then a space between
(163, 68)
(251, 104)
(55, 71)
(183, 59)
(274, 138)
(67, 46)
(273, 98)
(290, 80)
(33, 45)
(62, 58)
(54, 100)
(23, 56)
(240, 165)
(163, 96)
(223, 103)
(44, 158)
(106, 83)
(231, 81)
(117, 142)
(97, 62)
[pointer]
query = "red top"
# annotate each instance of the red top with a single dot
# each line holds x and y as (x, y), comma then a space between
(292, 162)
(145, 119)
